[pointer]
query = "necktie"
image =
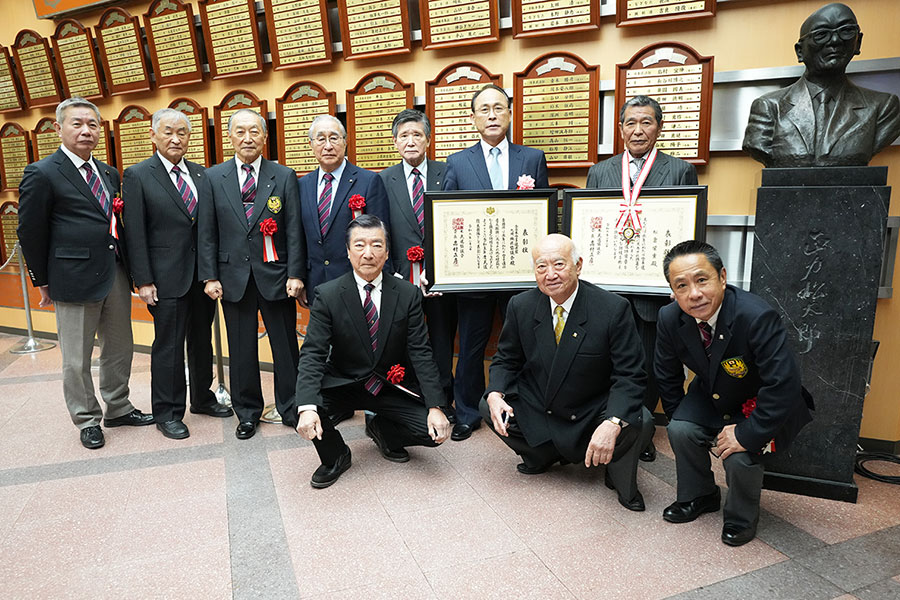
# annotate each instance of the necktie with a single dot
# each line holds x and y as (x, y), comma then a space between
(707, 335)
(373, 384)
(325, 203)
(93, 182)
(560, 322)
(190, 202)
(638, 163)
(248, 192)
(418, 199)
(495, 171)
(821, 117)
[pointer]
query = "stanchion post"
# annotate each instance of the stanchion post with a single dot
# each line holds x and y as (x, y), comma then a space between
(30, 345)
(222, 395)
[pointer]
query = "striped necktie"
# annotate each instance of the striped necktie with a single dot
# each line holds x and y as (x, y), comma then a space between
(707, 335)
(190, 201)
(325, 203)
(93, 182)
(373, 385)
(419, 199)
(248, 192)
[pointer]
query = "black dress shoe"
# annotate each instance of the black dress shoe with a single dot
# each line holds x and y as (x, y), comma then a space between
(135, 419)
(175, 430)
(526, 469)
(636, 504)
(461, 431)
(245, 430)
(649, 453)
(339, 417)
(92, 437)
(397, 456)
(684, 512)
(736, 536)
(325, 476)
(213, 410)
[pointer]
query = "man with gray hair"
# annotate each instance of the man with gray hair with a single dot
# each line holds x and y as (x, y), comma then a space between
(568, 377)
(161, 197)
(252, 256)
(72, 240)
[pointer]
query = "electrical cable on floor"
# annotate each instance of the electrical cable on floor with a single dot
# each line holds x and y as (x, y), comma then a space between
(863, 457)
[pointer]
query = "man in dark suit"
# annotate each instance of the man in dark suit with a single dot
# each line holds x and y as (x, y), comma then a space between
(568, 377)
(823, 119)
(161, 200)
(71, 238)
(406, 183)
(640, 121)
(745, 400)
(365, 329)
(253, 257)
(491, 164)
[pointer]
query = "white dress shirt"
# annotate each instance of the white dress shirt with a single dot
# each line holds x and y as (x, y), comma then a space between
(185, 174)
(79, 162)
(242, 174)
(320, 185)
(423, 172)
(503, 158)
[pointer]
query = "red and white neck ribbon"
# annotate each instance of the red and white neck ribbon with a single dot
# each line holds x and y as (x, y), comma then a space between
(269, 253)
(630, 208)
(415, 273)
(113, 230)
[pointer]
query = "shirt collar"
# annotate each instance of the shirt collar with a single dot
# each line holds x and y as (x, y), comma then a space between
(361, 283)
(503, 145)
(168, 165)
(336, 173)
(567, 305)
(713, 319)
(422, 167)
(76, 160)
(255, 164)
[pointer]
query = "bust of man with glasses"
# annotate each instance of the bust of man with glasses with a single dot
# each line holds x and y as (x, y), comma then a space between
(823, 119)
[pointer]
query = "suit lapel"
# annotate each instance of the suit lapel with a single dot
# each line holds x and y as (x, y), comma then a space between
(659, 172)
(68, 170)
(197, 174)
(543, 334)
(722, 334)
(853, 101)
(690, 335)
(436, 172)
(340, 197)
(233, 192)
(569, 343)
(350, 298)
(797, 106)
(264, 184)
(476, 160)
(389, 296)
(516, 166)
(401, 192)
(158, 171)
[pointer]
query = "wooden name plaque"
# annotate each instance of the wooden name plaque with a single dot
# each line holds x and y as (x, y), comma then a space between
(9, 237)
(231, 103)
(122, 53)
(448, 104)
(32, 54)
(232, 39)
(14, 156)
(294, 112)
(639, 12)
(371, 29)
(448, 23)
(172, 40)
(681, 81)
(551, 17)
(298, 33)
(133, 143)
(198, 149)
(371, 108)
(73, 45)
(557, 101)
(10, 97)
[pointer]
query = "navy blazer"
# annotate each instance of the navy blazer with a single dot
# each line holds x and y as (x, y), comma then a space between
(466, 169)
(749, 357)
(327, 254)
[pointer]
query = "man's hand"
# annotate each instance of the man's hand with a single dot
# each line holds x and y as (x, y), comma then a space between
(309, 425)
(727, 443)
(148, 294)
(45, 296)
(500, 412)
(302, 298)
(438, 425)
(423, 283)
(213, 289)
(603, 442)
(293, 287)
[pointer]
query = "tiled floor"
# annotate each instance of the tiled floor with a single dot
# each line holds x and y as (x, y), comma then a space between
(214, 517)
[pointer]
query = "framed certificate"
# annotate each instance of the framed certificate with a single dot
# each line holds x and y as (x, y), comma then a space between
(482, 240)
(622, 247)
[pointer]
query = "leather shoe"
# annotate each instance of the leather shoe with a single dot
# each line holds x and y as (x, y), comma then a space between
(526, 469)
(92, 437)
(648, 454)
(135, 419)
(397, 456)
(735, 536)
(325, 476)
(245, 430)
(461, 431)
(636, 504)
(213, 410)
(339, 417)
(175, 430)
(685, 512)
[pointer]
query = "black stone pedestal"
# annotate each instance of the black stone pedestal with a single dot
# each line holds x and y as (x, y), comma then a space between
(817, 256)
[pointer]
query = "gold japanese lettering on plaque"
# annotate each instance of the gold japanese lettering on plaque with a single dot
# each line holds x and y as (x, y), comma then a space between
(9, 93)
(371, 108)
(548, 17)
(13, 155)
(101, 150)
(232, 41)
(231, 103)
(46, 140)
(198, 148)
(374, 28)
(132, 136)
(119, 40)
(298, 32)
(448, 23)
(294, 113)
(636, 12)
(169, 25)
(74, 48)
(9, 222)
(449, 107)
(32, 53)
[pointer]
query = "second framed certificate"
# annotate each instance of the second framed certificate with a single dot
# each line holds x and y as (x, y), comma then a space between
(482, 240)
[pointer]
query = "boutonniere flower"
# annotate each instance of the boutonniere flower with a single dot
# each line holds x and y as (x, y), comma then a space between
(747, 408)
(395, 374)
(525, 182)
(117, 206)
(269, 228)
(415, 255)
(357, 203)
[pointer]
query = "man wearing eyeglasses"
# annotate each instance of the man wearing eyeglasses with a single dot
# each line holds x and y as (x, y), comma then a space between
(823, 119)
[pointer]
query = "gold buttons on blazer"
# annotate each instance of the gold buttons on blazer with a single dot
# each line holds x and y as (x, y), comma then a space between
(715, 396)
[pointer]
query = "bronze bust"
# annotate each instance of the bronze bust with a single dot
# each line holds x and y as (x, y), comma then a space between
(823, 120)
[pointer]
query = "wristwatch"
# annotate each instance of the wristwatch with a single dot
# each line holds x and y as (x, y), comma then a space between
(615, 421)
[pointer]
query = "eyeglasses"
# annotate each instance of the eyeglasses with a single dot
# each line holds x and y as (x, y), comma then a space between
(332, 139)
(823, 36)
(497, 110)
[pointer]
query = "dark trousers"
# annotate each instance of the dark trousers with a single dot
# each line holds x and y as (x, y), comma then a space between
(441, 318)
(400, 419)
(476, 319)
(174, 321)
(280, 319)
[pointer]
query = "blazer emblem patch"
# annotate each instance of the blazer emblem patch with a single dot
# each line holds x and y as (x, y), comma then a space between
(736, 367)
(274, 204)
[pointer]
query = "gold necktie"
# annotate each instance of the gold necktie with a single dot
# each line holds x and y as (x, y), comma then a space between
(560, 323)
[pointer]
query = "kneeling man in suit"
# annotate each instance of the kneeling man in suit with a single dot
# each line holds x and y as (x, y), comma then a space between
(746, 399)
(367, 348)
(567, 381)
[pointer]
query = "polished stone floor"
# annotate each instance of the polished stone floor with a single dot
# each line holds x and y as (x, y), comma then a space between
(213, 517)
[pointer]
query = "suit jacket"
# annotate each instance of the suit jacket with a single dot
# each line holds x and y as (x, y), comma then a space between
(64, 233)
(405, 232)
(564, 391)
(466, 169)
(337, 350)
(162, 235)
(230, 249)
(749, 357)
(327, 258)
(781, 131)
(667, 171)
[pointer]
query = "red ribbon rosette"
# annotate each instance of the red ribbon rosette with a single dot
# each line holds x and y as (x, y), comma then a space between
(356, 203)
(415, 255)
(395, 374)
(117, 206)
(269, 228)
(747, 408)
